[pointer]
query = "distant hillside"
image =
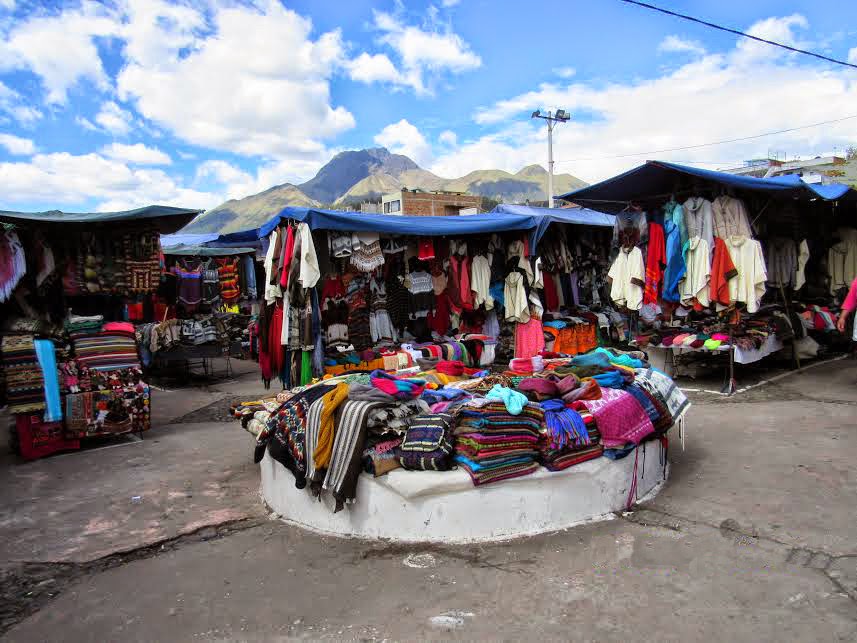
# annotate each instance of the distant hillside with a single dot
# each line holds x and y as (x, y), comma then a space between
(347, 168)
(250, 212)
(353, 177)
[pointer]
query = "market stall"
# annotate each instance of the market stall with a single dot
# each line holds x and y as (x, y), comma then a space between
(69, 283)
(437, 454)
(399, 289)
(209, 296)
(441, 357)
(709, 262)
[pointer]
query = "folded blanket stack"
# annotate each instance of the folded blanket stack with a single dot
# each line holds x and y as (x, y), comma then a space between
(570, 437)
(106, 350)
(25, 385)
(493, 445)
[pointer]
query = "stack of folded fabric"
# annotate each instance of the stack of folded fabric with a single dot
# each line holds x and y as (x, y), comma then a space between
(77, 325)
(493, 445)
(25, 385)
(107, 350)
(569, 437)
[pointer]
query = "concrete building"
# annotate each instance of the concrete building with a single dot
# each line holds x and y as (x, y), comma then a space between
(428, 204)
(814, 170)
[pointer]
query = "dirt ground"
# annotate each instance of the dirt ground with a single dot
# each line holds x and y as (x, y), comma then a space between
(753, 538)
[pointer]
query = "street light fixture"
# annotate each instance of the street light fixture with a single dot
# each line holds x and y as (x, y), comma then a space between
(561, 116)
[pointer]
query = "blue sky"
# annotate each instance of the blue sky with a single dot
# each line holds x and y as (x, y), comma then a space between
(112, 105)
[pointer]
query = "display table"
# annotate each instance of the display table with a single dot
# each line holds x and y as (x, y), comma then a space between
(433, 506)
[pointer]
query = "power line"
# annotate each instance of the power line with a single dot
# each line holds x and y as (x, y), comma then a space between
(700, 145)
(646, 5)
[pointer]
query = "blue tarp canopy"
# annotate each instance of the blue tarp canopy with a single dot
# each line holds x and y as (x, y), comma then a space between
(657, 179)
(187, 239)
(403, 224)
(183, 250)
(167, 219)
(574, 216)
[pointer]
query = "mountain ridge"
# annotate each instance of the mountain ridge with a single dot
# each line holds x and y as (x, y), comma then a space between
(356, 176)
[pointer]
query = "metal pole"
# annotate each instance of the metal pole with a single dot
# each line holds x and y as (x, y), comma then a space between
(550, 160)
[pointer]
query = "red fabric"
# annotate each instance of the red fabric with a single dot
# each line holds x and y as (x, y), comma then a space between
(275, 347)
(287, 257)
(551, 298)
(333, 288)
(438, 319)
(426, 249)
(458, 288)
(656, 261)
(135, 312)
(722, 270)
(36, 439)
(529, 339)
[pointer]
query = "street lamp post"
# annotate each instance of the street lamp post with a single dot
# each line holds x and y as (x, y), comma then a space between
(561, 116)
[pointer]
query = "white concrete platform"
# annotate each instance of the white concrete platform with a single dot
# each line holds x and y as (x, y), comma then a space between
(428, 506)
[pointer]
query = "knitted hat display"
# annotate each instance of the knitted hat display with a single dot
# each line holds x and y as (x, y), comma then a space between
(678, 340)
(689, 340)
(697, 343)
(721, 337)
(667, 341)
(399, 388)
(712, 344)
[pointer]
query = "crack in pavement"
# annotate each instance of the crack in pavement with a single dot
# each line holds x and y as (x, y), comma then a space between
(845, 580)
(26, 587)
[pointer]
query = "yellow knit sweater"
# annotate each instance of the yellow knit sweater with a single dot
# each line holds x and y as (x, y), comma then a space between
(324, 447)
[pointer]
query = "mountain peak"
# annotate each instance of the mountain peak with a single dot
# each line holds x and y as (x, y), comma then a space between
(532, 170)
(350, 167)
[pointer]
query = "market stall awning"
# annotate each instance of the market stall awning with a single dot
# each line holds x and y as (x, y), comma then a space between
(183, 250)
(573, 216)
(187, 239)
(167, 219)
(659, 179)
(403, 224)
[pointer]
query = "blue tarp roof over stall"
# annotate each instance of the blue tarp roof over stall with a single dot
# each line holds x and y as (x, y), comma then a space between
(658, 178)
(167, 219)
(402, 224)
(576, 216)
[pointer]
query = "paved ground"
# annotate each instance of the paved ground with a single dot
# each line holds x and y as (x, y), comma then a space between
(754, 538)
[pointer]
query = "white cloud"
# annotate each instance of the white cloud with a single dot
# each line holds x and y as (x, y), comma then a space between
(448, 137)
(85, 123)
(565, 72)
(186, 156)
(236, 183)
(136, 154)
(375, 68)
(423, 53)
(17, 145)
(404, 138)
(15, 105)
(679, 45)
(114, 119)
(64, 180)
(852, 56)
(7, 4)
(715, 97)
(449, 3)
(272, 99)
(60, 48)
(782, 30)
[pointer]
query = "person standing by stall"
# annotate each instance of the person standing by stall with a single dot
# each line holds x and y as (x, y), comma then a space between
(848, 307)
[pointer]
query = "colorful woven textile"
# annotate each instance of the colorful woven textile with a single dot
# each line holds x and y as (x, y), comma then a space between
(493, 445)
(106, 350)
(25, 391)
(400, 388)
(619, 416)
